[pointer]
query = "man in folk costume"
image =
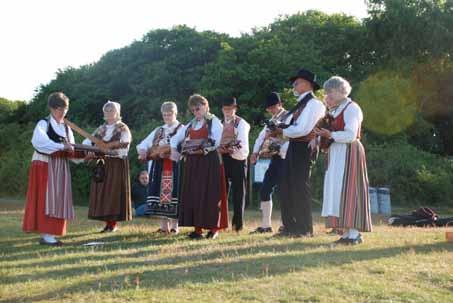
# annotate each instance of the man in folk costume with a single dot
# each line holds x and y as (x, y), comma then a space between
(49, 195)
(295, 182)
(203, 190)
(163, 187)
(273, 148)
(345, 198)
(234, 147)
(110, 194)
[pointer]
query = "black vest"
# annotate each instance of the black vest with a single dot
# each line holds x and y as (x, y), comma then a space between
(53, 135)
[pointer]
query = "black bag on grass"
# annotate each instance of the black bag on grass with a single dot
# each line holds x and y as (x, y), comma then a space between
(423, 216)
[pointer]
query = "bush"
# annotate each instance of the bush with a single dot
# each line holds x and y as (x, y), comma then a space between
(415, 177)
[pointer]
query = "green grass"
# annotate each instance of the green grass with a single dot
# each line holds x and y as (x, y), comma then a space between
(137, 265)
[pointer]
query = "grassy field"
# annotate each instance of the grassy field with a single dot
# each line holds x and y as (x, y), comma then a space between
(137, 265)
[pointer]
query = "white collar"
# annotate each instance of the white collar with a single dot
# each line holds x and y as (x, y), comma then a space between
(303, 95)
(166, 126)
(279, 113)
(53, 121)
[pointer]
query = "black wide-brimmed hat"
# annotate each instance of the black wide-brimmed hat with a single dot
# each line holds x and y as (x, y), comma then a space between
(272, 99)
(306, 75)
(229, 101)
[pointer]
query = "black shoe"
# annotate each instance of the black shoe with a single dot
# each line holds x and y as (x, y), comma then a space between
(262, 230)
(212, 235)
(161, 231)
(283, 234)
(356, 241)
(342, 241)
(195, 236)
(44, 242)
(106, 229)
(174, 231)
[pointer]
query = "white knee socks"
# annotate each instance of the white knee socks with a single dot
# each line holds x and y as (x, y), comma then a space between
(266, 208)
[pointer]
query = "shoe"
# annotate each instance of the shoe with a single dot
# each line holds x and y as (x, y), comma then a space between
(335, 231)
(262, 230)
(44, 242)
(212, 235)
(301, 235)
(113, 229)
(195, 236)
(106, 229)
(237, 228)
(356, 241)
(161, 231)
(174, 231)
(342, 241)
(283, 233)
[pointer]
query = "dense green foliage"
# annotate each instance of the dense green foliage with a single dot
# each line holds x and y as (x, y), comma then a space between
(398, 60)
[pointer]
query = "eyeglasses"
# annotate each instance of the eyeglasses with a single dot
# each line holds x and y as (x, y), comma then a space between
(61, 109)
(195, 109)
(296, 83)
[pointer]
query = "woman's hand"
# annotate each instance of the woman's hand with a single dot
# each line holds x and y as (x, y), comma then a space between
(68, 147)
(142, 155)
(174, 155)
(323, 132)
(89, 156)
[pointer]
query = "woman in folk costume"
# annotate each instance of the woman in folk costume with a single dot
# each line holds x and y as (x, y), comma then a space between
(49, 194)
(110, 196)
(203, 191)
(274, 148)
(345, 199)
(162, 200)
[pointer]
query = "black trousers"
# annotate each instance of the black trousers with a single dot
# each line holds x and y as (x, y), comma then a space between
(236, 172)
(295, 190)
(271, 178)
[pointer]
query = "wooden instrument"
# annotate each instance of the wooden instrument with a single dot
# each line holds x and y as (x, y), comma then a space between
(230, 145)
(195, 146)
(101, 144)
(94, 149)
(270, 147)
(326, 123)
(158, 152)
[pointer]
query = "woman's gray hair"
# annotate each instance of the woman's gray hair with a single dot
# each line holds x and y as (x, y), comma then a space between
(337, 85)
(169, 106)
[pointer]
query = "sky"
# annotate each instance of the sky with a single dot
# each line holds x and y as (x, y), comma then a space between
(40, 37)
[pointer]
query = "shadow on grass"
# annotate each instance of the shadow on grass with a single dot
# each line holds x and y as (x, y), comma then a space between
(213, 270)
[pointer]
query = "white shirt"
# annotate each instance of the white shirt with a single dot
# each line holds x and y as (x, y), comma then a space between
(126, 137)
(260, 140)
(216, 132)
(41, 141)
(311, 114)
(148, 141)
(353, 118)
(242, 132)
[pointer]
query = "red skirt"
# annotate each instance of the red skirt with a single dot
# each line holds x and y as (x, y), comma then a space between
(35, 219)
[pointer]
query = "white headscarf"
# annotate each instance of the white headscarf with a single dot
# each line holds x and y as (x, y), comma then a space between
(116, 105)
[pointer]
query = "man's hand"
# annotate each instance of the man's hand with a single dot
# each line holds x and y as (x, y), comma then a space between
(253, 158)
